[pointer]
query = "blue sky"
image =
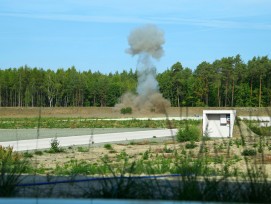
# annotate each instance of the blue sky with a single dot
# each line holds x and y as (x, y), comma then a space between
(92, 34)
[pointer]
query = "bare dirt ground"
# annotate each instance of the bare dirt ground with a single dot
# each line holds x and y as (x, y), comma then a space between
(110, 112)
(136, 149)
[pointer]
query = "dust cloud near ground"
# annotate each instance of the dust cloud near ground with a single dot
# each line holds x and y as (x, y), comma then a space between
(153, 103)
(146, 42)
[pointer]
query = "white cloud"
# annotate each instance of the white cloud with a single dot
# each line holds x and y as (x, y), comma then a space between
(231, 14)
(211, 23)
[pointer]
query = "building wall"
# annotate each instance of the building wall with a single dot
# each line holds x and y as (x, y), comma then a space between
(215, 123)
(215, 128)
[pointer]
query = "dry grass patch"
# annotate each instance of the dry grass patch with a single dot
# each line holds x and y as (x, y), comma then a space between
(110, 112)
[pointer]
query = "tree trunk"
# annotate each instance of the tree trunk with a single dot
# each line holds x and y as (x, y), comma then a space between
(232, 94)
(250, 92)
(218, 96)
(20, 89)
(178, 100)
(260, 91)
(6, 97)
(207, 95)
(66, 101)
(15, 99)
(0, 98)
(226, 94)
(50, 101)
(94, 100)
(32, 100)
(82, 99)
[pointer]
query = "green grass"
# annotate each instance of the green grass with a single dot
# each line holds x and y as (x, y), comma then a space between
(38, 152)
(147, 163)
(262, 131)
(83, 149)
(16, 123)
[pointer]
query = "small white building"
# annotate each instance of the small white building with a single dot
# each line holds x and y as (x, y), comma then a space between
(218, 123)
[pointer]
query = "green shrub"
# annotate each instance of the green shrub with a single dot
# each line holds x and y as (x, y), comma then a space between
(249, 152)
(190, 145)
(55, 147)
(189, 133)
(127, 110)
(122, 156)
(255, 129)
(83, 149)
(37, 152)
(108, 146)
(132, 143)
(218, 159)
(27, 155)
(145, 155)
(262, 131)
(238, 142)
(76, 167)
(167, 150)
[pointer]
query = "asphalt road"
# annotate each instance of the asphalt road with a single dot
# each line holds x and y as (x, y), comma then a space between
(23, 145)
(28, 134)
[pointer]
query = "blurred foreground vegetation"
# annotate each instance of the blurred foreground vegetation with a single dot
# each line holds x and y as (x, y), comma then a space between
(228, 170)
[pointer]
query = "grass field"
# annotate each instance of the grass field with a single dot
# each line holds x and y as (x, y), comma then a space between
(206, 165)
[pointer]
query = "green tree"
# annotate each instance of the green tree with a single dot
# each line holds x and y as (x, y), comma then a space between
(50, 86)
(204, 77)
(258, 67)
(165, 85)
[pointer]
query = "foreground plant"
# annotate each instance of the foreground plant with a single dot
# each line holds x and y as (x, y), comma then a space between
(12, 165)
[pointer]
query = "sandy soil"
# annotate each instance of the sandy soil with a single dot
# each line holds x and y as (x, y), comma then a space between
(216, 147)
(155, 147)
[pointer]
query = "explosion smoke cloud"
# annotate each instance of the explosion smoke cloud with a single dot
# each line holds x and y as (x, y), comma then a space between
(146, 42)
(147, 39)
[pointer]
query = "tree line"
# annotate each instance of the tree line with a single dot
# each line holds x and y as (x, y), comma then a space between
(227, 82)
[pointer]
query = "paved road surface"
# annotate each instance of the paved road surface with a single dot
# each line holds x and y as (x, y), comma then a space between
(22, 145)
(259, 118)
(28, 134)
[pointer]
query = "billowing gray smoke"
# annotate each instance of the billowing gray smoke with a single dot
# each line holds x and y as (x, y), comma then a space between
(146, 42)
(147, 39)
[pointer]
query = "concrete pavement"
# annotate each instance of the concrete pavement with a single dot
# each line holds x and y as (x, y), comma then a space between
(23, 145)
